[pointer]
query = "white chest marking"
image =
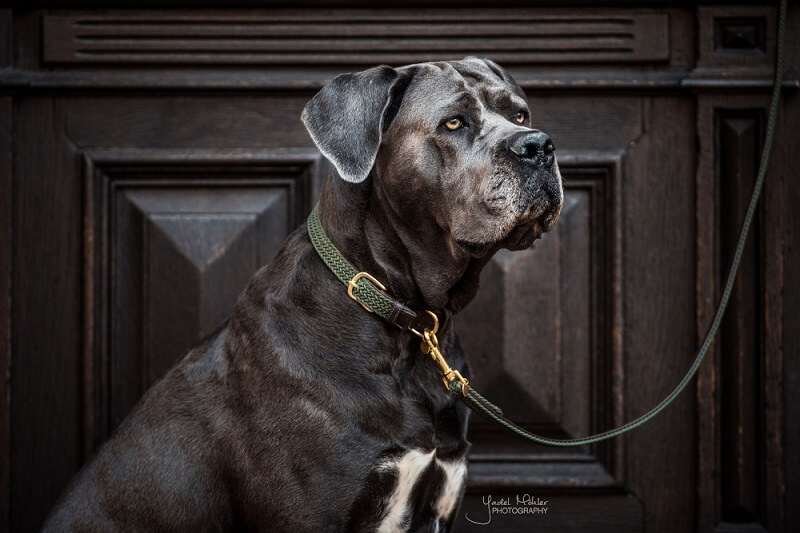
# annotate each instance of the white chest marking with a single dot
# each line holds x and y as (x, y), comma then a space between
(409, 468)
(455, 472)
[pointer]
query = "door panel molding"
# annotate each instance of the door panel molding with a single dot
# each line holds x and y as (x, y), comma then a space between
(142, 210)
(739, 393)
(568, 348)
(357, 37)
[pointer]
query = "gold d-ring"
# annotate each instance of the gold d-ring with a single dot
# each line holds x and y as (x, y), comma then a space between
(353, 284)
(435, 326)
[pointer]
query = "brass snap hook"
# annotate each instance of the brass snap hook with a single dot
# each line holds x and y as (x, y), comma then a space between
(430, 346)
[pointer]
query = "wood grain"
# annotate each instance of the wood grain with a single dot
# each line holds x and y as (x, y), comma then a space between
(46, 367)
(6, 128)
(739, 137)
(740, 480)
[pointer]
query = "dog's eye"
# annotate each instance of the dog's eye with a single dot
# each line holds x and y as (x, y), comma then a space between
(453, 123)
(520, 117)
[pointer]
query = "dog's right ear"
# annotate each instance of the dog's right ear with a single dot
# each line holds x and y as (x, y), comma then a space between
(346, 118)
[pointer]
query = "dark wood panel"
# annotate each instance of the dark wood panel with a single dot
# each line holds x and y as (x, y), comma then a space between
(451, 4)
(546, 354)
(675, 72)
(784, 372)
(6, 148)
(6, 26)
(173, 240)
(192, 123)
(543, 354)
(580, 124)
(739, 394)
(45, 387)
(739, 36)
(356, 37)
(255, 79)
(734, 41)
(181, 257)
(739, 137)
(658, 294)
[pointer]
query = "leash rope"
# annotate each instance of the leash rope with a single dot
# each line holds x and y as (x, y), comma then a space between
(372, 296)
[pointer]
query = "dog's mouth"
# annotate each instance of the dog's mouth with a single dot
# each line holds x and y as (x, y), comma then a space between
(520, 236)
(521, 232)
(516, 218)
(536, 220)
(476, 249)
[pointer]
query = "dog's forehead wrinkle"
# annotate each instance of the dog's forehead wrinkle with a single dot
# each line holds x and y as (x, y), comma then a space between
(463, 101)
(446, 80)
(475, 69)
(500, 98)
(449, 94)
(430, 104)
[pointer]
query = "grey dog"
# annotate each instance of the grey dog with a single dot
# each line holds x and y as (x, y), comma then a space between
(304, 412)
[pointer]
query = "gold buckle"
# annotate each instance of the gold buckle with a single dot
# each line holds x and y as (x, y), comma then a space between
(353, 284)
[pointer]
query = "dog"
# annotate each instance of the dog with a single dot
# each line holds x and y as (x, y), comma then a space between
(305, 412)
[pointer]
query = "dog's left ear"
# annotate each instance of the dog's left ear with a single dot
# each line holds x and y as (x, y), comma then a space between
(346, 119)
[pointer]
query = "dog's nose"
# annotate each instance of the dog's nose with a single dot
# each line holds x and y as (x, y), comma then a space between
(533, 146)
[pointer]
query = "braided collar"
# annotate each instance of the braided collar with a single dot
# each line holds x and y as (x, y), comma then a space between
(361, 286)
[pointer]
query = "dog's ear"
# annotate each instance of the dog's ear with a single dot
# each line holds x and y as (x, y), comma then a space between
(347, 118)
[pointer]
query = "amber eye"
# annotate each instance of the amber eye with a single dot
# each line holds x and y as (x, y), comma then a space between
(453, 124)
(520, 117)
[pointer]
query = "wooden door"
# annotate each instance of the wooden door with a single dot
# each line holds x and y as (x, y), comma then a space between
(153, 160)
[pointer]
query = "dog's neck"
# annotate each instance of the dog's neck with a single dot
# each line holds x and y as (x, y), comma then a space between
(414, 259)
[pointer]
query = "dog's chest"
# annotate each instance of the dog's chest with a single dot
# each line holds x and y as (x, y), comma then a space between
(421, 491)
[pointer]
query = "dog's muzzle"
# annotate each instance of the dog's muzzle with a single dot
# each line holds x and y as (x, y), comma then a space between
(542, 195)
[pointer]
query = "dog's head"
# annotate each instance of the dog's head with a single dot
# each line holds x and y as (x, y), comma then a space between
(450, 143)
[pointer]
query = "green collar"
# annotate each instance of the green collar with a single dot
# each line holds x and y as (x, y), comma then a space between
(361, 286)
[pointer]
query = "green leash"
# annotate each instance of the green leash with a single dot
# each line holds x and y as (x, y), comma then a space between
(371, 294)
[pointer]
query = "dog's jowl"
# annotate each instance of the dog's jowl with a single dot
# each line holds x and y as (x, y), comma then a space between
(304, 411)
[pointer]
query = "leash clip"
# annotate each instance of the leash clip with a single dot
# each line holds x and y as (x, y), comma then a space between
(430, 346)
(353, 285)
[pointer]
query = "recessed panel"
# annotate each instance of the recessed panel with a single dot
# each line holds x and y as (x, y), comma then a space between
(181, 257)
(534, 332)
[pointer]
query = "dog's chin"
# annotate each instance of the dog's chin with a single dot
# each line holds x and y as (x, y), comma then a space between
(526, 232)
(535, 221)
(527, 229)
(520, 237)
(477, 250)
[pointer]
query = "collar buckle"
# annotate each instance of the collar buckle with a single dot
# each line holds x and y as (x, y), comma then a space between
(353, 285)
